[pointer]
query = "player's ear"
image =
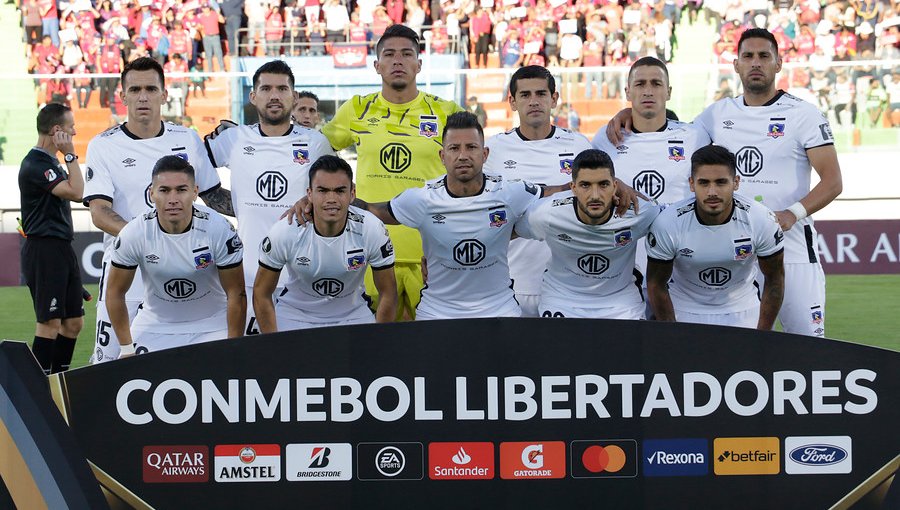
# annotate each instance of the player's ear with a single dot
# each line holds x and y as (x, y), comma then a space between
(691, 183)
(487, 152)
(669, 93)
(737, 181)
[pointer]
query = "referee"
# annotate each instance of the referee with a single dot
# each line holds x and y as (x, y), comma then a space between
(48, 261)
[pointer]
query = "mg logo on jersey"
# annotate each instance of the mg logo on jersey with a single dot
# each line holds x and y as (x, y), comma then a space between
(468, 252)
(395, 157)
(749, 161)
(498, 218)
(715, 276)
(179, 288)
(271, 186)
(428, 126)
(328, 287)
(676, 153)
(775, 130)
(565, 163)
(650, 183)
(593, 263)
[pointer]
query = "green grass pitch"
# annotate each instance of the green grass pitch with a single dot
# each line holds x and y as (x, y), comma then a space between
(862, 309)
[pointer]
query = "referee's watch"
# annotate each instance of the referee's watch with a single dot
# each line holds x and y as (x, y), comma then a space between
(70, 157)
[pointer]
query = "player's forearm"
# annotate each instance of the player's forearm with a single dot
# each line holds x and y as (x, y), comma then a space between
(219, 200)
(822, 194)
(264, 309)
(379, 209)
(76, 181)
(387, 306)
(107, 220)
(236, 313)
(661, 302)
(118, 316)
(770, 304)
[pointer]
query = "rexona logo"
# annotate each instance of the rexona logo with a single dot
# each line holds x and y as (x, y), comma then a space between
(675, 457)
(176, 464)
(523, 461)
(248, 463)
(604, 458)
(318, 462)
(813, 455)
(461, 461)
(747, 455)
(390, 461)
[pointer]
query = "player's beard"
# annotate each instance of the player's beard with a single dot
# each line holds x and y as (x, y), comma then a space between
(590, 214)
(274, 120)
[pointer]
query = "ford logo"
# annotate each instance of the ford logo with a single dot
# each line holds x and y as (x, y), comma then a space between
(818, 454)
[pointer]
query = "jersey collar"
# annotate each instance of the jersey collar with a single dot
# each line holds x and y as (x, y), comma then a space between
(730, 214)
(660, 130)
(186, 230)
(289, 129)
(552, 132)
(129, 134)
(770, 102)
(483, 184)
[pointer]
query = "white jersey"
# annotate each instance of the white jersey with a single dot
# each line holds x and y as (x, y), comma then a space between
(325, 282)
(543, 162)
(714, 265)
(770, 143)
(592, 265)
(182, 291)
(119, 167)
(466, 240)
(268, 174)
(657, 164)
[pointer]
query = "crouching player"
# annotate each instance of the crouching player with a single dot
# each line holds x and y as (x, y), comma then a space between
(190, 260)
(326, 260)
(709, 245)
(591, 271)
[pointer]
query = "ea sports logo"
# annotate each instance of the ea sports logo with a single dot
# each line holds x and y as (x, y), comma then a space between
(749, 161)
(390, 461)
(328, 287)
(715, 276)
(179, 288)
(271, 186)
(469, 252)
(395, 157)
(650, 183)
(593, 263)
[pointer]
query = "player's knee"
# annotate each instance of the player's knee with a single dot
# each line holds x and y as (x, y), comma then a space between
(72, 327)
(47, 329)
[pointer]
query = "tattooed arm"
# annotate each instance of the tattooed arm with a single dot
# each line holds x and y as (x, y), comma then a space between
(218, 199)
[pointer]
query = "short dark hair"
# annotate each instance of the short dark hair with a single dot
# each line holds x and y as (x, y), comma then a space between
(648, 62)
(310, 95)
(758, 33)
(593, 159)
(713, 155)
(394, 31)
(173, 163)
(144, 64)
(527, 72)
(49, 116)
(462, 120)
(330, 164)
(274, 67)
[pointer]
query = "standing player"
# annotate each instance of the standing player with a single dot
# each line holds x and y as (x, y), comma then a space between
(397, 133)
(306, 109)
(326, 260)
(119, 165)
(190, 260)
(590, 272)
(539, 152)
(49, 264)
(269, 162)
(708, 246)
(777, 138)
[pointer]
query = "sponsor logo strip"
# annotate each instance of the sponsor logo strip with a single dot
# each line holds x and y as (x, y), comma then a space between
(390, 461)
(747, 455)
(675, 457)
(811, 455)
(538, 459)
(461, 461)
(248, 463)
(604, 458)
(313, 462)
(176, 464)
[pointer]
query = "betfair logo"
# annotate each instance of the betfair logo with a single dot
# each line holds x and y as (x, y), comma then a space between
(747, 455)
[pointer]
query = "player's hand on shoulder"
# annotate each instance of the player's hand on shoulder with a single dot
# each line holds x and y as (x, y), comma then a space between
(626, 197)
(223, 125)
(618, 126)
(301, 212)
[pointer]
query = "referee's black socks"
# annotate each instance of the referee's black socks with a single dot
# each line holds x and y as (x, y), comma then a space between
(42, 348)
(63, 348)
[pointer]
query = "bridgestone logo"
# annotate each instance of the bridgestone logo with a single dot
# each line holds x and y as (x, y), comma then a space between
(319, 474)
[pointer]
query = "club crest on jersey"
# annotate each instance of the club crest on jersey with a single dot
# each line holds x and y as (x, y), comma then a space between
(817, 316)
(623, 237)
(301, 155)
(776, 129)
(742, 250)
(356, 262)
(498, 218)
(203, 260)
(565, 163)
(428, 126)
(676, 153)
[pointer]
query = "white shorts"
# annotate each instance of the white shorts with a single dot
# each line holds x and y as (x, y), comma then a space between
(529, 304)
(507, 309)
(149, 341)
(106, 343)
(803, 309)
(288, 324)
(627, 312)
(251, 327)
(745, 319)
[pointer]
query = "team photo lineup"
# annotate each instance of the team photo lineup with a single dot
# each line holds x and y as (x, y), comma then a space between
(537, 221)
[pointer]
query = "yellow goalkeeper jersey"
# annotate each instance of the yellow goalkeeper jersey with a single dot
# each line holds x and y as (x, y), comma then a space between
(397, 147)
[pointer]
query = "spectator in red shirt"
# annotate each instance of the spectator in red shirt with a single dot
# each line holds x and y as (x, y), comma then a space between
(212, 43)
(58, 89)
(49, 20)
(31, 19)
(180, 41)
(274, 31)
(84, 86)
(481, 27)
(177, 64)
(109, 61)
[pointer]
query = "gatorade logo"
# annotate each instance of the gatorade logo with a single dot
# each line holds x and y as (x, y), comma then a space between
(747, 455)
(538, 459)
(604, 458)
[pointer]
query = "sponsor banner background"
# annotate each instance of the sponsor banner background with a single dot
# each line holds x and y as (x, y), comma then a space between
(442, 351)
(859, 246)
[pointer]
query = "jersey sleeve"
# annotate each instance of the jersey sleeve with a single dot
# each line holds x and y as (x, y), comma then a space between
(206, 175)
(45, 178)
(701, 136)
(660, 242)
(525, 195)
(320, 146)
(217, 149)
(601, 142)
(229, 250)
(97, 179)
(704, 121)
(274, 248)
(769, 236)
(533, 224)
(338, 130)
(378, 244)
(409, 207)
(816, 129)
(649, 211)
(127, 246)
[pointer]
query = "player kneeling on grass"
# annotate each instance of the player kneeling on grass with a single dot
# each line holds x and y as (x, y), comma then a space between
(190, 260)
(708, 245)
(591, 271)
(326, 260)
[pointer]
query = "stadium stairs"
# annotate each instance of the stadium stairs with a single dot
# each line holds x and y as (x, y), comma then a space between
(17, 101)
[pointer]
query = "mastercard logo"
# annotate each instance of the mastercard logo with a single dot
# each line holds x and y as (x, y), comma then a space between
(597, 458)
(615, 458)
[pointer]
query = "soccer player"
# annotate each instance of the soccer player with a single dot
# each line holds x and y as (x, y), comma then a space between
(777, 138)
(326, 260)
(190, 260)
(119, 165)
(709, 245)
(590, 272)
(306, 109)
(397, 133)
(269, 163)
(49, 264)
(538, 152)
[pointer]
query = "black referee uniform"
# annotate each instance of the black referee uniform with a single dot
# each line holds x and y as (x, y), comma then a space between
(49, 264)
